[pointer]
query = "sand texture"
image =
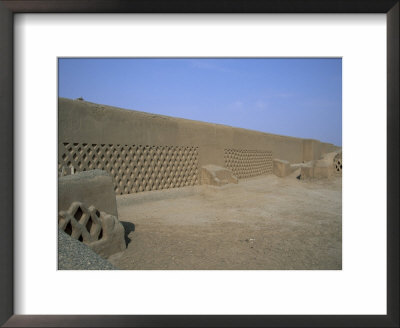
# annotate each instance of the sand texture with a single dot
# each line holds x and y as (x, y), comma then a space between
(264, 223)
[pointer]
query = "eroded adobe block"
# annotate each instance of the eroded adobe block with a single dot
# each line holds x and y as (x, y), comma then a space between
(328, 166)
(93, 187)
(307, 171)
(216, 175)
(323, 169)
(102, 232)
(281, 168)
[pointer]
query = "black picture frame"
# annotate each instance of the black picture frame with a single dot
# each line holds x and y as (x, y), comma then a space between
(10, 7)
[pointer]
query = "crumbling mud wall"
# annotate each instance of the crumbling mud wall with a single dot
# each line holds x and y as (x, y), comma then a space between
(314, 149)
(144, 152)
(246, 163)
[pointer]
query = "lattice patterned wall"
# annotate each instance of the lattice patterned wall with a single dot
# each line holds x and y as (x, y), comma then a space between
(246, 163)
(81, 222)
(338, 163)
(134, 168)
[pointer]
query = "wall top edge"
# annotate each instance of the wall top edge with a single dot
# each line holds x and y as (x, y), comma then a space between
(142, 114)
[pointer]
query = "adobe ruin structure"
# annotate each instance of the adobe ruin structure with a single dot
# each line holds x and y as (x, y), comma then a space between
(205, 196)
(144, 152)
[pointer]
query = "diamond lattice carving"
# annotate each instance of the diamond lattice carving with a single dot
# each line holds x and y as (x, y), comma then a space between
(81, 222)
(134, 168)
(101, 231)
(245, 163)
(338, 163)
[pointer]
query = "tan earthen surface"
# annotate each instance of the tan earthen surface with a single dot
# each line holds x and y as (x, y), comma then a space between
(265, 223)
(217, 175)
(281, 168)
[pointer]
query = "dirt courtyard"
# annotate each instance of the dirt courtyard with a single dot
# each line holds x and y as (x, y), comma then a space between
(262, 223)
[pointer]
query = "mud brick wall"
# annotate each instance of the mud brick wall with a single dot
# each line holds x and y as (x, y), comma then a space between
(134, 168)
(144, 152)
(245, 163)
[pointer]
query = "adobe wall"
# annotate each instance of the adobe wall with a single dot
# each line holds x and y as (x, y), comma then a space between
(314, 149)
(147, 152)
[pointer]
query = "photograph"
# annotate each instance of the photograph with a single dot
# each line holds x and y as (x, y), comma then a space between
(193, 156)
(199, 163)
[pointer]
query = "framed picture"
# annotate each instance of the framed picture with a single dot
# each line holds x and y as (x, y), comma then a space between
(194, 298)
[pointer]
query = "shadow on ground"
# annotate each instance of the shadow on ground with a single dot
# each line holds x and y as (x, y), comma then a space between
(129, 227)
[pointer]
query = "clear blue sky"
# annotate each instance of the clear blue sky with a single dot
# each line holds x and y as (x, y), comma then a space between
(294, 97)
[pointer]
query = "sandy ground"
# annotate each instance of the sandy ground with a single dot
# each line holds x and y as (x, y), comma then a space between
(266, 223)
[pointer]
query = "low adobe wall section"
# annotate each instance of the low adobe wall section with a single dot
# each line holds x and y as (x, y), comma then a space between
(144, 152)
